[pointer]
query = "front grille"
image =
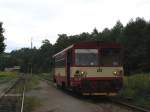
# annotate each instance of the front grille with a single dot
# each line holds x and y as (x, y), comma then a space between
(101, 86)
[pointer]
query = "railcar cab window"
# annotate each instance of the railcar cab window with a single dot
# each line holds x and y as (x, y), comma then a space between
(86, 57)
(111, 57)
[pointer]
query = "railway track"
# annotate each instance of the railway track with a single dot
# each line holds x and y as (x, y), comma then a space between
(12, 99)
(119, 102)
(128, 105)
(113, 102)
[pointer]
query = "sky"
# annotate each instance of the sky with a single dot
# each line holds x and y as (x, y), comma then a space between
(45, 19)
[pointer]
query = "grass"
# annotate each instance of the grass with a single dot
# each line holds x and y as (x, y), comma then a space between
(137, 88)
(32, 82)
(46, 76)
(7, 76)
(31, 103)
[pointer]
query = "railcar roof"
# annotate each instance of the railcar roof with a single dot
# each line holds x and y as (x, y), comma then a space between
(71, 46)
(86, 42)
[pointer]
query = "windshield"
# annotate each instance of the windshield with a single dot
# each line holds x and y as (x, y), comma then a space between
(111, 57)
(86, 57)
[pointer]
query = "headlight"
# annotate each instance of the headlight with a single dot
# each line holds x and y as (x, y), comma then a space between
(83, 74)
(115, 73)
(80, 73)
(118, 73)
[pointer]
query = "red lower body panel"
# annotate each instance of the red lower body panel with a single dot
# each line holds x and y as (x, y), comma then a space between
(92, 84)
(99, 84)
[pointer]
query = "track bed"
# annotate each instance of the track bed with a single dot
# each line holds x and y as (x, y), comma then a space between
(55, 100)
(11, 101)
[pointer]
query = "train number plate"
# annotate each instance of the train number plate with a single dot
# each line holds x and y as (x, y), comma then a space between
(99, 70)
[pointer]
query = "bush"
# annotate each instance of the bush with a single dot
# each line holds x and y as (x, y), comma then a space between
(137, 87)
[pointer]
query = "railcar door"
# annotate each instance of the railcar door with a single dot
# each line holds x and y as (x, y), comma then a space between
(69, 60)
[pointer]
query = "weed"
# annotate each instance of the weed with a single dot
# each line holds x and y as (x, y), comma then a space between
(32, 82)
(137, 87)
(31, 103)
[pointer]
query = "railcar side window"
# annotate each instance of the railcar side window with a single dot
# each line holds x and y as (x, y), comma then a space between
(60, 63)
(110, 57)
(85, 57)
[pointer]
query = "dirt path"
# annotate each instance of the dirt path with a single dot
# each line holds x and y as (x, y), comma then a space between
(54, 100)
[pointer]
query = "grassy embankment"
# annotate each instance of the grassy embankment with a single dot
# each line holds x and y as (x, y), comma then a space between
(137, 88)
(7, 76)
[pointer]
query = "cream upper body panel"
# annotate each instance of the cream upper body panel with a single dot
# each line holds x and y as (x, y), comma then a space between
(60, 71)
(96, 71)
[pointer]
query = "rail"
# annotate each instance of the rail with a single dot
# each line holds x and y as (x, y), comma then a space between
(22, 103)
(134, 107)
(13, 97)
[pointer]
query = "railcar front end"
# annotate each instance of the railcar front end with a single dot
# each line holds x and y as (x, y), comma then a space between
(97, 72)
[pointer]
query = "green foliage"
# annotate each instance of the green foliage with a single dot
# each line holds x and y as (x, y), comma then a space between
(7, 76)
(136, 44)
(31, 103)
(137, 87)
(2, 45)
(44, 56)
(4, 61)
(38, 59)
(32, 82)
(25, 58)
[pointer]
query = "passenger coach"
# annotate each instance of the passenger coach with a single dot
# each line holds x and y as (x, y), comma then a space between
(91, 68)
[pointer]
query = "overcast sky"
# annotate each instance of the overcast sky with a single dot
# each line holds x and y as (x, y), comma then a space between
(45, 19)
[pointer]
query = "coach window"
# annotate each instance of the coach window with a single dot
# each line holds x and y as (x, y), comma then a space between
(86, 57)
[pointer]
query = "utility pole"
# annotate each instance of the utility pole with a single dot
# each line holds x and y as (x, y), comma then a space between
(31, 42)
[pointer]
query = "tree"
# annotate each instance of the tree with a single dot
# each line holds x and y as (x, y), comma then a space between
(4, 61)
(106, 35)
(61, 42)
(116, 32)
(24, 57)
(44, 56)
(2, 45)
(95, 34)
(135, 44)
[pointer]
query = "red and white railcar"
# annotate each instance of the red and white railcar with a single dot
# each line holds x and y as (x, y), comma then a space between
(91, 68)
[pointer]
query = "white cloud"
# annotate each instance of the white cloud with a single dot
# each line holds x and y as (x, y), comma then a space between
(42, 19)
